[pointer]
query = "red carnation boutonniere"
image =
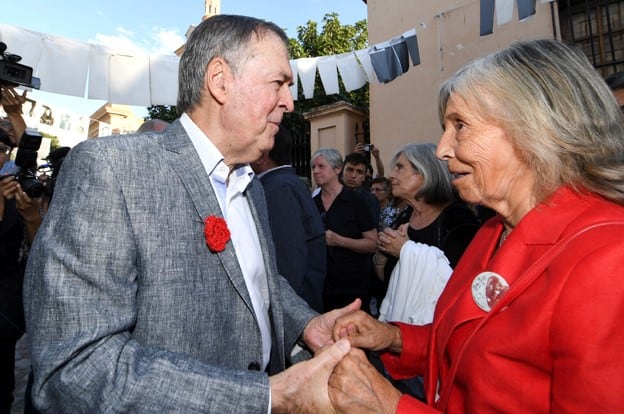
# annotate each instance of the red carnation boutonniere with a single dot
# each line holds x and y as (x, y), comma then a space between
(217, 233)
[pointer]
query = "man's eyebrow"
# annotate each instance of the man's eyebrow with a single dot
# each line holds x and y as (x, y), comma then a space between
(288, 79)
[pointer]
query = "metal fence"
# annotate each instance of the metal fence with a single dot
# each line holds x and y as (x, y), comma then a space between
(598, 28)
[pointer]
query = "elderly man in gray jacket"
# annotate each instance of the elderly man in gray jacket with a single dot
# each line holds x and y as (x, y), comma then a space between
(159, 292)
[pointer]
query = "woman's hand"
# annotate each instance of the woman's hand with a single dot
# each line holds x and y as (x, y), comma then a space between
(364, 331)
(318, 333)
(391, 241)
(357, 387)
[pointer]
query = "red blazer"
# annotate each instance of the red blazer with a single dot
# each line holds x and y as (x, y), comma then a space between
(556, 348)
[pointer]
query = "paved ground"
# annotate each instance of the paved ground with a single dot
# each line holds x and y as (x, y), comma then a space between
(22, 368)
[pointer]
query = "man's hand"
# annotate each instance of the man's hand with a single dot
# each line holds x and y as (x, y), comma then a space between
(302, 388)
(318, 333)
(357, 387)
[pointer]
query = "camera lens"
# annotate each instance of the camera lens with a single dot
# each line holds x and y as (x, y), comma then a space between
(30, 184)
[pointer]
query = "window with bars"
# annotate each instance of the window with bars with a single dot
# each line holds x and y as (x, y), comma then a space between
(598, 28)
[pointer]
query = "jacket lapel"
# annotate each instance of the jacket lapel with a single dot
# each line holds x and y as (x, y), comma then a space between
(455, 306)
(185, 161)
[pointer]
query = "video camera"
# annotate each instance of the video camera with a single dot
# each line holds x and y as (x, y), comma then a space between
(54, 162)
(26, 160)
(13, 73)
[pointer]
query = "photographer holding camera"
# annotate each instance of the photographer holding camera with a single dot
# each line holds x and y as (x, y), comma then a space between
(23, 202)
(19, 221)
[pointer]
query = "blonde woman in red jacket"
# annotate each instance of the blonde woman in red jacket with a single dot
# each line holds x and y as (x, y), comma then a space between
(531, 319)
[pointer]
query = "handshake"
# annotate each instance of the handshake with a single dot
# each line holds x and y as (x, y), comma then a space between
(339, 379)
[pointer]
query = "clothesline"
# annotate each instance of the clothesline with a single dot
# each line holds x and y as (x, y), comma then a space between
(94, 71)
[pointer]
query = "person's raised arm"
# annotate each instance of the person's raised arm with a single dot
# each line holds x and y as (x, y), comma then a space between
(12, 102)
(378, 162)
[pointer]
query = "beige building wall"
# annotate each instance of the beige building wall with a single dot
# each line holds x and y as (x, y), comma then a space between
(404, 110)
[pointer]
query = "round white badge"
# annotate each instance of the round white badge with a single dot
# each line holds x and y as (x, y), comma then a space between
(487, 289)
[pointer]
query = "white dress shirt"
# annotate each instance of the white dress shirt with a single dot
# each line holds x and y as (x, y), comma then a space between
(229, 187)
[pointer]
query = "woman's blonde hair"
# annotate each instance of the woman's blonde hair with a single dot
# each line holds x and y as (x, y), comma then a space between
(562, 118)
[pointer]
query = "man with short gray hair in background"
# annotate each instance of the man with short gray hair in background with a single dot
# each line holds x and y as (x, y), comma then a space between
(153, 125)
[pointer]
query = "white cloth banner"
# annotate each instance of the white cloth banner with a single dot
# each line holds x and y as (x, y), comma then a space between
(329, 76)
(69, 127)
(306, 68)
(163, 76)
(22, 42)
(504, 11)
(294, 88)
(367, 65)
(128, 80)
(65, 64)
(98, 72)
(351, 72)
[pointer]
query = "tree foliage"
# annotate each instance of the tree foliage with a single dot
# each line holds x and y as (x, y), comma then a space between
(165, 112)
(333, 39)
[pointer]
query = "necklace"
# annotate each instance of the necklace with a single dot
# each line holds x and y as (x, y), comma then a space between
(503, 236)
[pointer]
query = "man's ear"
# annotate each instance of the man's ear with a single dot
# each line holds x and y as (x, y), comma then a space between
(217, 74)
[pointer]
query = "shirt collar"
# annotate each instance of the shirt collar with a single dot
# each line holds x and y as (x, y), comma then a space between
(279, 167)
(212, 159)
